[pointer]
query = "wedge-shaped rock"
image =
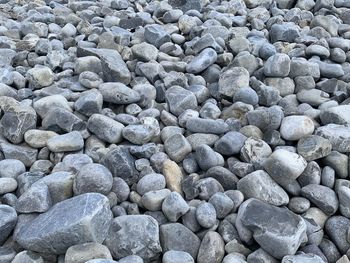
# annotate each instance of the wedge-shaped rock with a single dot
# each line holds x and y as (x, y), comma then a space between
(261, 186)
(134, 235)
(338, 135)
(81, 219)
(277, 230)
(113, 66)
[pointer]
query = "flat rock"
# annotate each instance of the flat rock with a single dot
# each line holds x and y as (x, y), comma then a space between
(81, 219)
(69, 142)
(105, 128)
(8, 220)
(118, 93)
(280, 234)
(25, 154)
(134, 234)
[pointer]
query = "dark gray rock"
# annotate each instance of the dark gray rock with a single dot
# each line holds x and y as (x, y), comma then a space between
(275, 238)
(202, 61)
(174, 206)
(231, 143)
(156, 35)
(334, 228)
(207, 158)
(177, 147)
(313, 147)
(286, 32)
(90, 102)
(134, 234)
(61, 120)
(121, 164)
(25, 154)
(118, 93)
(186, 5)
(8, 220)
(85, 218)
(322, 196)
(175, 236)
(224, 176)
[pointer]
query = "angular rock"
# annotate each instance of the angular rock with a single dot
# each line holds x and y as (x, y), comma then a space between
(212, 248)
(134, 234)
(338, 135)
(334, 228)
(174, 206)
(277, 65)
(113, 66)
(118, 93)
(177, 147)
(40, 77)
(25, 154)
(90, 102)
(156, 35)
(61, 120)
(313, 147)
(261, 186)
(81, 219)
(43, 105)
(206, 157)
(231, 143)
(338, 115)
(175, 236)
(121, 164)
(280, 234)
(180, 99)
(202, 61)
(232, 80)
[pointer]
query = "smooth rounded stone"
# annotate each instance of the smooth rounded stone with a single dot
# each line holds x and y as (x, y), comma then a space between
(105, 128)
(303, 67)
(321, 196)
(302, 258)
(173, 256)
(338, 162)
(232, 80)
(144, 52)
(89, 102)
(206, 157)
(330, 250)
(101, 261)
(337, 115)
(207, 187)
(186, 115)
(286, 32)
(299, 205)
(317, 50)
(40, 76)
(313, 97)
(222, 203)
(131, 259)
(246, 95)
(295, 127)
(274, 237)
(27, 256)
(328, 176)
(43, 105)
(153, 200)
(11, 168)
(81, 219)
(174, 206)
(8, 220)
(150, 182)
(206, 215)
(90, 80)
(61, 120)
(212, 248)
(38, 138)
(317, 215)
(284, 166)
(88, 63)
(231, 143)
(177, 147)
(173, 176)
(335, 229)
(156, 35)
(234, 258)
(344, 200)
(7, 185)
(93, 178)
(198, 125)
(277, 65)
(313, 147)
(210, 111)
(180, 99)
(197, 139)
(203, 60)
(255, 151)
(69, 142)
(134, 235)
(120, 188)
(118, 93)
(175, 236)
(261, 186)
(84, 252)
(16, 121)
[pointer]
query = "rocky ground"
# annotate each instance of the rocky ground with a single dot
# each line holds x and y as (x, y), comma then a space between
(174, 131)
